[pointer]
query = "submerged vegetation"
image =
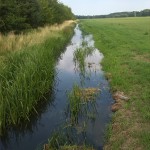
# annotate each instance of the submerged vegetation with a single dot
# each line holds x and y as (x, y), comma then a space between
(80, 55)
(65, 140)
(81, 109)
(125, 43)
(81, 104)
(27, 73)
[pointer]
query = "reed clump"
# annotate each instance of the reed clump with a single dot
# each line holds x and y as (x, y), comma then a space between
(26, 75)
(65, 140)
(82, 102)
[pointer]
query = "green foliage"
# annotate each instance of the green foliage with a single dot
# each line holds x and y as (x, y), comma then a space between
(18, 15)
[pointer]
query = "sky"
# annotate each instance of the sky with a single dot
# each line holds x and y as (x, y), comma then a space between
(102, 7)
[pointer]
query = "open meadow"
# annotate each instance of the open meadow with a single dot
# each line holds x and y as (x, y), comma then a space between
(125, 43)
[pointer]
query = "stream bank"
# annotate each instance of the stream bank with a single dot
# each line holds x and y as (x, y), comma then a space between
(54, 115)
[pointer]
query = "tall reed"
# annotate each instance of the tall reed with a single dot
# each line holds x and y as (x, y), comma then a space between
(82, 102)
(26, 75)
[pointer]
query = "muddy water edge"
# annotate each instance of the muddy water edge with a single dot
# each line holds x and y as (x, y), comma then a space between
(78, 68)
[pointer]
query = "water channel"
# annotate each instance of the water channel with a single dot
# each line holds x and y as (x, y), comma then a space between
(53, 115)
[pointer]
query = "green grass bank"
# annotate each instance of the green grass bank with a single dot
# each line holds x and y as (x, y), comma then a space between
(27, 73)
(125, 43)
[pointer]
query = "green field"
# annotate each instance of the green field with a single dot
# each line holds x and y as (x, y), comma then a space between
(125, 43)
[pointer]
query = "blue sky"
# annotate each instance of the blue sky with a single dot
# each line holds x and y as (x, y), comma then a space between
(100, 7)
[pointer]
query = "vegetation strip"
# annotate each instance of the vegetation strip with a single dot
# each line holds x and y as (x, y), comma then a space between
(12, 42)
(126, 48)
(26, 75)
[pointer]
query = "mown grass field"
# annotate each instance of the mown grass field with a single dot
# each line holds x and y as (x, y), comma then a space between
(125, 43)
(27, 70)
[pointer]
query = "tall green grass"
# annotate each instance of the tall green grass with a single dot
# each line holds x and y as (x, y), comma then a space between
(125, 43)
(26, 75)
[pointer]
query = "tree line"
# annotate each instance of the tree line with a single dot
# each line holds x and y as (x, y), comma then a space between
(19, 15)
(142, 13)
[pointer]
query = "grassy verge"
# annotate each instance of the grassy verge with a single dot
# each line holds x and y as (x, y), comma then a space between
(27, 72)
(125, 43)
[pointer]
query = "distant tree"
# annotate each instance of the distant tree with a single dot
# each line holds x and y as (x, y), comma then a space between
(18, 15)
(145, 12)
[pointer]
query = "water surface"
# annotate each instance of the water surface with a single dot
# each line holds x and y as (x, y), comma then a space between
(53, 115)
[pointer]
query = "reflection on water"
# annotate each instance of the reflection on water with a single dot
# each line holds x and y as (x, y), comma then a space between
(52, 116)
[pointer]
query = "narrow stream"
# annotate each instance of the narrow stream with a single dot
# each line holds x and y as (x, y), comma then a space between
(53, 115)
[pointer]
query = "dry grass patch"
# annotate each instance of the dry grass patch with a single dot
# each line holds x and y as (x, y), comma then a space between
(87, 94)
(143, 58)
(12, 42)
(125, 125)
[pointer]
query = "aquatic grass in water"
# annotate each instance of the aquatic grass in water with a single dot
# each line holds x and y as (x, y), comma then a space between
(74, 104)
(62, 137)
(82, 113)
(25, 77)
(81, 102)
(79, 59)
(66, 139)
(84, 43)
(81, 54)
